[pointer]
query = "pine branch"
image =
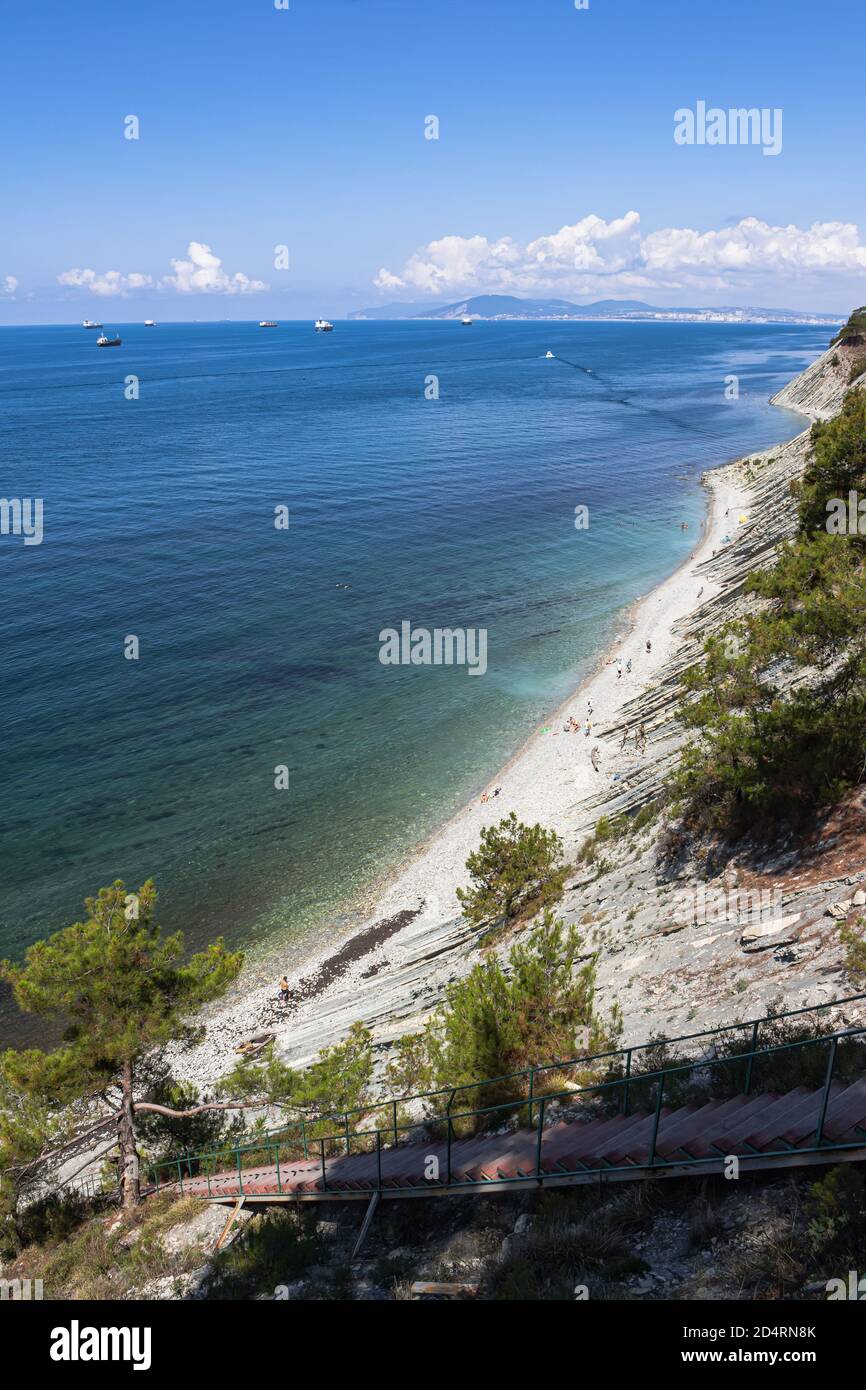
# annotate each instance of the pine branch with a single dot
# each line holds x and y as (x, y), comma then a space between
(151, 1108)
(70, 1143)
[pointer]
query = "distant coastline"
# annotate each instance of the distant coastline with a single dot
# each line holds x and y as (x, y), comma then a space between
(508, 308)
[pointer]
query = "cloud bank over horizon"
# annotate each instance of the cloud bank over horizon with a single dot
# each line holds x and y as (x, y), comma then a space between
(200, 273)
(593, 256)
(748, 261)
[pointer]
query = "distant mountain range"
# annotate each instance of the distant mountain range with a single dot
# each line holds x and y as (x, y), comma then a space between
(508, 306)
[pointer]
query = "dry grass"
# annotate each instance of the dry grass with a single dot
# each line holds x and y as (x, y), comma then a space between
(111, 1256)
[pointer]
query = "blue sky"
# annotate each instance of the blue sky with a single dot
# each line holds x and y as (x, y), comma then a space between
(305, 127)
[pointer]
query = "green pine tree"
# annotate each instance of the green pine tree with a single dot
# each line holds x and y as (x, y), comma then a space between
(121, 990)
(516, 871)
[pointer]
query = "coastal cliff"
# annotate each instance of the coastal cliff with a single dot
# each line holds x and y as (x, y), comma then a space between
(819, 391)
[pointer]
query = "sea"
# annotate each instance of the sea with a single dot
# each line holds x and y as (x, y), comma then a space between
(191, 686)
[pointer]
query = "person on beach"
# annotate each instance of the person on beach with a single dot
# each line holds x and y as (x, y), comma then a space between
(284, 990)
(589, 707)
(587, 729)
(593, 757)
(619, 668)
(649, 645)
(628, 667)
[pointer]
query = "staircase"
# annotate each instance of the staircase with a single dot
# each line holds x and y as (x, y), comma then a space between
(802, 1126)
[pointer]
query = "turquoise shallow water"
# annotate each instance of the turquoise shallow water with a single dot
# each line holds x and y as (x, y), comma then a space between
(456, 512)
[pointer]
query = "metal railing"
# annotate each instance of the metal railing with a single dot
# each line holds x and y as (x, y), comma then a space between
(656, 1082)
(307, 1129)
(90, 1185)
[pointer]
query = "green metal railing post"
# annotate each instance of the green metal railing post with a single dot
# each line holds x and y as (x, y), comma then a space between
(658, 1115)
(240, 1171)
(448, 1154)
(180, 1176)
(540, 1138)
(346, 1128)
(304, 1137)
(277, 1157)
(531, 1092)
(396, 1138)
(753, 1049)
(825, 1099)
(625, 1098)
(208, 1181)
(378, 1160)
(324, 1177)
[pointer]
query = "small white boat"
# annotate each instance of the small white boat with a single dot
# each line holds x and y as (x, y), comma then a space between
(322, 326)
(150, 323)
(466, 321)
(104, 341)
(268, 323)
(88, 323)
(550, 354)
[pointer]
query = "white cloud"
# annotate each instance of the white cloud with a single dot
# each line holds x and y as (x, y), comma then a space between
(201, 273)
(452, 262)
(594, 256)
(752, 245)
(108, 285)
(9, 286)
(591, 244)
(386, 281)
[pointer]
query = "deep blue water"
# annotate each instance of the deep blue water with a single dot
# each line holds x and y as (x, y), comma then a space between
(456, 512)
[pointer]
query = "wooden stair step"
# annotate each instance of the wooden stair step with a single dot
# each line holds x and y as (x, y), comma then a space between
(800, 1123)
(846, 1110)
(776, 1114)
(766, 1126)
(676, 1136)
(636, 1148)
(745, 1112)
(594, 1137)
